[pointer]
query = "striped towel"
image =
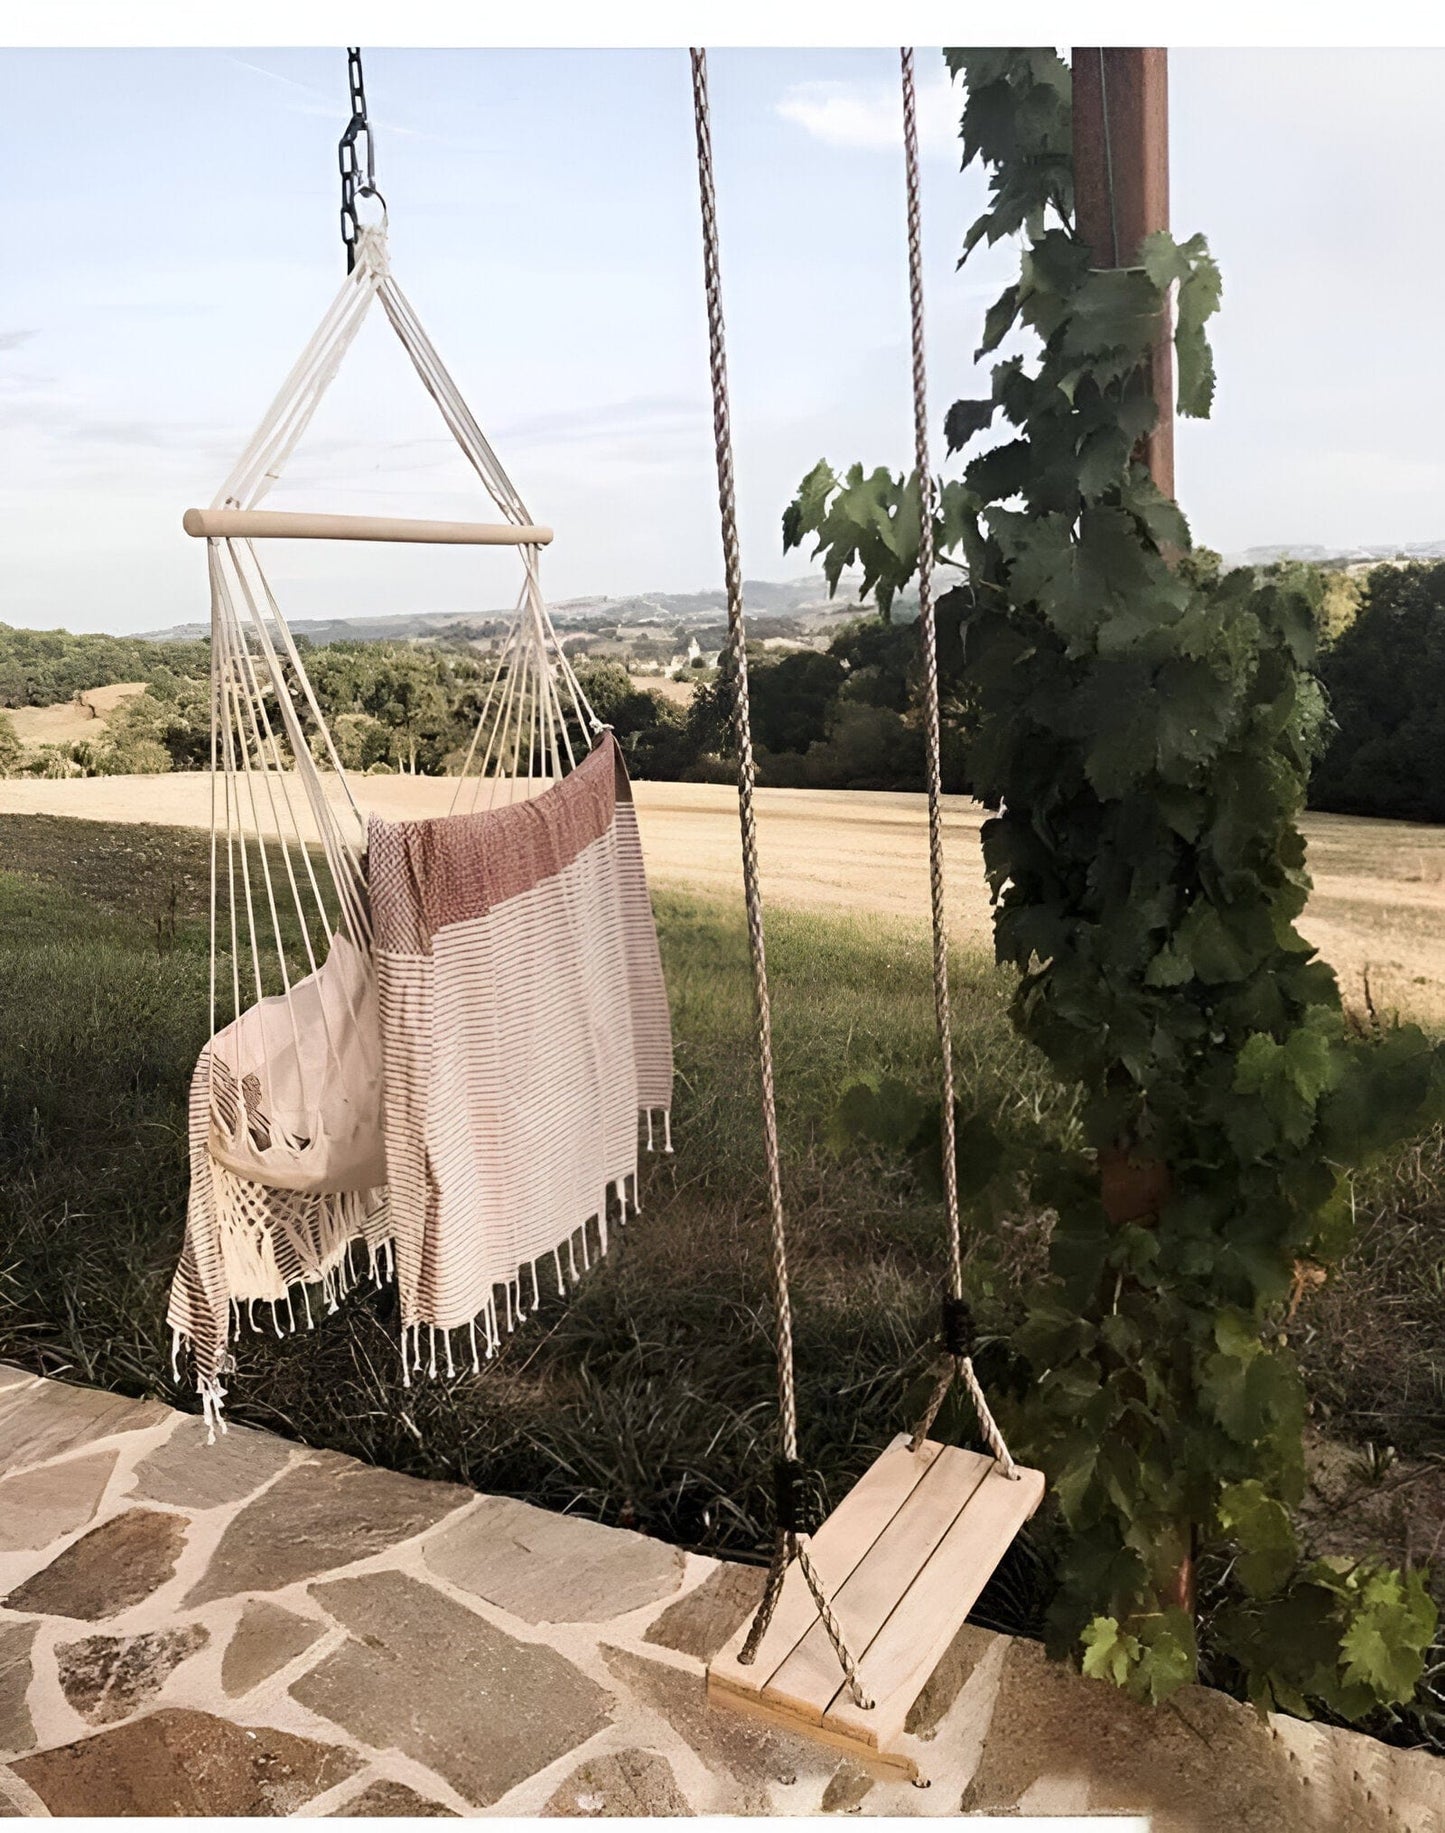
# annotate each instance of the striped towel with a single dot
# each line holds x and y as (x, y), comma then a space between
(525, 1028)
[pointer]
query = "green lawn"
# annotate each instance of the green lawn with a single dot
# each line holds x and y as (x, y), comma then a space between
(649, 1397)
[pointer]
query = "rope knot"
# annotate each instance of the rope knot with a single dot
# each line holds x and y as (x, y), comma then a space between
(371, 250)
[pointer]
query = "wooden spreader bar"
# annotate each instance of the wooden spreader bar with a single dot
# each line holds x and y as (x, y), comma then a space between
(903, 1558)
(290, 525)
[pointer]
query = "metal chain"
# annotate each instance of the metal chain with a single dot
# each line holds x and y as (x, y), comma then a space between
(787, 1546)
(952, 1367)
(356, 180)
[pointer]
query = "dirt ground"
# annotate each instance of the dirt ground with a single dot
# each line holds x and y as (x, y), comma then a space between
(1377, 913)
(71, 720)
(679, 692)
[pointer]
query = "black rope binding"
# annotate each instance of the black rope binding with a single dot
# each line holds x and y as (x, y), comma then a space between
(958, 1332)
(795, 1506)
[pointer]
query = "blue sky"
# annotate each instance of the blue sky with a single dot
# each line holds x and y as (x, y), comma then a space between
(171, 241)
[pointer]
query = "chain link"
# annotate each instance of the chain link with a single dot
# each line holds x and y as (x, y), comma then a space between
(358, 178)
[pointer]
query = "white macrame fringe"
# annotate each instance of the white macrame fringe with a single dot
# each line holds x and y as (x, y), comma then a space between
(250, 1253)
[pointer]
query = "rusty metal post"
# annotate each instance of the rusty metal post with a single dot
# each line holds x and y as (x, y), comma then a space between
(1121, 190)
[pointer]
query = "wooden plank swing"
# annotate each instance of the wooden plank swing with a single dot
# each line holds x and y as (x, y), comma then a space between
(856, 1616)
(904, 1558)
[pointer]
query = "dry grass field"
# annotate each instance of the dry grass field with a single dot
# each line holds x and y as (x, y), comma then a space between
(1377, 913)
(71, 720)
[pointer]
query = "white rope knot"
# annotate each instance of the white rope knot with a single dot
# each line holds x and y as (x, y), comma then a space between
(372, 252)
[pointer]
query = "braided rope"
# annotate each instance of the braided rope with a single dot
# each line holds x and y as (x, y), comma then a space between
(787, 1546)
(987, 1424)
(928, 635)
(947, 1373)
(742, 721)
(952, 1366)
(960, 1368)
(772, 1591)
(833, 1627)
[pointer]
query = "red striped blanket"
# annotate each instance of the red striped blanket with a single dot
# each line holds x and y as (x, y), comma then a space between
(524, 1027)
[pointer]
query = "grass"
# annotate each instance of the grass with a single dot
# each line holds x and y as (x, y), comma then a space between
(648, 1399)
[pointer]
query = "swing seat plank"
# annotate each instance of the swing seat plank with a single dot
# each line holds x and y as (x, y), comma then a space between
(903, 1558)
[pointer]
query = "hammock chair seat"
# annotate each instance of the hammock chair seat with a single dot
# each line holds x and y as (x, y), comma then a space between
(376, 1114)
(903, 1559)
(296, 1083)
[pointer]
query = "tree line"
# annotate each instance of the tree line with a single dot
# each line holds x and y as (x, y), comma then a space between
(845, 717)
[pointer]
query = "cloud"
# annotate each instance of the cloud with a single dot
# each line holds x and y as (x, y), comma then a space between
(645, 416)
(317, 103)
(870, 115)
(12, 340)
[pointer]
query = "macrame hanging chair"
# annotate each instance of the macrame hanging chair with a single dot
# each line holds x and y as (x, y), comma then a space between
(299, 1094)
(858, 1611)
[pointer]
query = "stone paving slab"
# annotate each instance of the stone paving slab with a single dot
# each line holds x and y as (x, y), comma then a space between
(257, 1629)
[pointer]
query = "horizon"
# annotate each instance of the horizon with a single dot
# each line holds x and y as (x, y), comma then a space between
(544, 221)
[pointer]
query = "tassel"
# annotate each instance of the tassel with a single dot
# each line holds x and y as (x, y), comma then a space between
(175, 1354)
(447, 1345)
(405, 1357)
(561, 1284)
(650, 1146)
(306, 1301)
(667, 1129)
(472, 1332)
(431, 1367)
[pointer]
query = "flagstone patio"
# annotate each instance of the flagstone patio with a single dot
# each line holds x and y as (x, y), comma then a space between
(255, 1628)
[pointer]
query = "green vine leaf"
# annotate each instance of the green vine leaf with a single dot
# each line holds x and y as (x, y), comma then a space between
(965, 420)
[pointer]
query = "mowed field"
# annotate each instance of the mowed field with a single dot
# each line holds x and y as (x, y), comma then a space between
(1377, 913)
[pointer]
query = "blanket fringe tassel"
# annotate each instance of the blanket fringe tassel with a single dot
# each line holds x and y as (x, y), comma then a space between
(346, 1269)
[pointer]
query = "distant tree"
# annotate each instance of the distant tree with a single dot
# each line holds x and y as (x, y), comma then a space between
(793, 699)
(654, 734)
(11, 749)
(47, 667)
(361, 740)
(1385, 677)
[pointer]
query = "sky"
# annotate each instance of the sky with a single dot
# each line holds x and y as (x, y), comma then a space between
(171, 242)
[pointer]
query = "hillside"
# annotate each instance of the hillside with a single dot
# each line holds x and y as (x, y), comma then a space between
(775, 607)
